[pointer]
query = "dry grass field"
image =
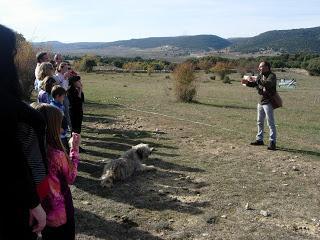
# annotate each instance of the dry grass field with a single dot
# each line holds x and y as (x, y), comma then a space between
(210, 183)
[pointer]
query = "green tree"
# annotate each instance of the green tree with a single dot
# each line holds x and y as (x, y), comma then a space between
(314, 66)
(222, 69)
(86, 63)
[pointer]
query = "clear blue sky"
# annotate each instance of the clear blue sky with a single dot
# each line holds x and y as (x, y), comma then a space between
(105, 21)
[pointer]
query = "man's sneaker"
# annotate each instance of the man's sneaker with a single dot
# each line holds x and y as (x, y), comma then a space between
(257, 143)
(272, 146)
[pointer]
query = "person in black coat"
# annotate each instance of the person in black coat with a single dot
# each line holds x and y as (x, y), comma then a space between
(21, 213)
(76, 99)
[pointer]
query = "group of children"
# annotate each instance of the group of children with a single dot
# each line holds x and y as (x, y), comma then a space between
(57, 84)
(60, 101)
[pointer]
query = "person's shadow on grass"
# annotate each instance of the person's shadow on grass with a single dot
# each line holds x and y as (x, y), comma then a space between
(92, 225)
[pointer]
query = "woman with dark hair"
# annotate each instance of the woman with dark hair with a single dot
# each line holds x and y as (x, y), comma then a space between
(21, 213)
(76, 99)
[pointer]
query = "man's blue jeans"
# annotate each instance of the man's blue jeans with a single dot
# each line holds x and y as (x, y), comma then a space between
(264, 111)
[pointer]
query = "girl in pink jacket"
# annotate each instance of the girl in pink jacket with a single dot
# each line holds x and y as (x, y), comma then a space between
(62, 170)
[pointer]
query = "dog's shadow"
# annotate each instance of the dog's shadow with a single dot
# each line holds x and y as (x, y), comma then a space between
(157, 190)
(168, 188)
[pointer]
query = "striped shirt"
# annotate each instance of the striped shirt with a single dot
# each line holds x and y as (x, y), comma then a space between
(30, 147)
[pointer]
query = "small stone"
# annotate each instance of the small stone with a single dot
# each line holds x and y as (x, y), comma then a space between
(295, 168)
(161, 192)
(229, 204)
(233, 147)
(274, 171)
(247, 207)
(211, 219)
(86, 203)
(285, 184)
(284, 173)
(188, 177)
(205, 234)
(265, 213)
(224, 216)
(102, 160)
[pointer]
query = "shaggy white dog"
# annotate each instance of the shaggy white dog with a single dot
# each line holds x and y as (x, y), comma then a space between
(128, 164)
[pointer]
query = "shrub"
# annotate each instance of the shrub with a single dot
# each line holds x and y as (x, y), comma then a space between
(226, 79)
(314, 66)
(25, 61)
(133, 66)
(86, 63)
(222, 69)
(185, 87)
(150, 70)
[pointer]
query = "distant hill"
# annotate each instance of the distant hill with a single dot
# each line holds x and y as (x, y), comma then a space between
(197, 43)
(68, 47)
(181, 45)
(286, 41)
(289, 41)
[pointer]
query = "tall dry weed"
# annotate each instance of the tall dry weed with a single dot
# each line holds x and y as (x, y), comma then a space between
(26, 62)
(185, 85)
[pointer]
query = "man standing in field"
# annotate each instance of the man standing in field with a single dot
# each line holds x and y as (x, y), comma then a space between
(266, 84)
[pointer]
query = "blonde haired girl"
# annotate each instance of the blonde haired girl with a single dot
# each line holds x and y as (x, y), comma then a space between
(62, 168)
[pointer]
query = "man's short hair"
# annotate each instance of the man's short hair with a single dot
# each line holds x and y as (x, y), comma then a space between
(58, 91)
(40, 55)
(267, 64)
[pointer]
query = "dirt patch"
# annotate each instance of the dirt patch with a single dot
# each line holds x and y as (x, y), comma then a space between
(200, 190)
